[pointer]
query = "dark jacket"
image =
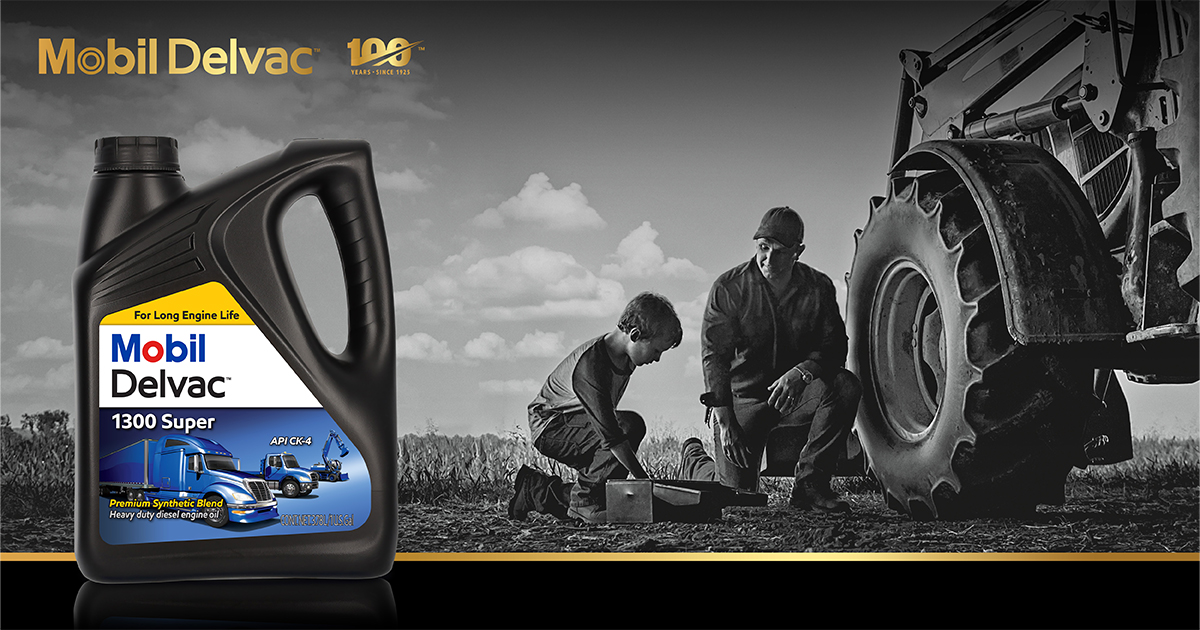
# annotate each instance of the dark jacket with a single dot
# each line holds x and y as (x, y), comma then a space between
(749, 337)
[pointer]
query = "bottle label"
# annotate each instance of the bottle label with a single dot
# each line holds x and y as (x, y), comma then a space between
(207, 433)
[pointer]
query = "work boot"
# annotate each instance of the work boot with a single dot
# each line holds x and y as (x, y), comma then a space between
(815, 494)
(520, 504)
(592, 513)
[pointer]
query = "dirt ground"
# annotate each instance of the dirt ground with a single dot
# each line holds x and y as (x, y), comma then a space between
(1090, 521)
(1111, 521)
(38, 534)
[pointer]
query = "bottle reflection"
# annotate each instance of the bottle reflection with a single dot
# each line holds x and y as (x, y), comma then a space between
(238, 604)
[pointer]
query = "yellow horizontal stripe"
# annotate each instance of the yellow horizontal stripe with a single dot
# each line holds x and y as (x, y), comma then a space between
(39, 557)
(211, 300)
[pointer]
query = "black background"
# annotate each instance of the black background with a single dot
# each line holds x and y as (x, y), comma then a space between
(728, 594)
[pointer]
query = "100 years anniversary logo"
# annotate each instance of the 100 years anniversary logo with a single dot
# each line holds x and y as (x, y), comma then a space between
(396, 53)
(368, 57)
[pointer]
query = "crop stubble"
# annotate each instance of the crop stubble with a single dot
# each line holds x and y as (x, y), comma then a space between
(453, 493)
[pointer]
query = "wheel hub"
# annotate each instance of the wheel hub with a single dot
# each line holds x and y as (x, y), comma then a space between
(931, 352)
(909, 358)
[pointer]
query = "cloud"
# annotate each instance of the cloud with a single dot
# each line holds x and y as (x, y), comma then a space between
(639, 256)
(546, 283)
(45, 348)
(21, 41)
(540, 344)
(37, 157)
(56, 379)
(423, 347)
(402, 98)
(691, 315)
(403, 182)
(61, 377)
(37, 297)
(694, 367)
(489, 219)
(527, 386)
(30, 108)
(38, 178)
(487, 345)
(40, 215)
(610, 302)
(533, 269)
(537, 344)
(416, 298)
(210, 148)
(15, 384)
(45, 175)
(528, 284)
(564, 209)
(418, 238)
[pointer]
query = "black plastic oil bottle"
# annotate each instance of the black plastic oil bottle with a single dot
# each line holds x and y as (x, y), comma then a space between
(217, 436)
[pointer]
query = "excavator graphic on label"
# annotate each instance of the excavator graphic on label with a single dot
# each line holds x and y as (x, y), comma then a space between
(331, 469)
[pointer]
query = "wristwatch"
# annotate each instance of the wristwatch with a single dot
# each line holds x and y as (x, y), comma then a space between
(805, 375)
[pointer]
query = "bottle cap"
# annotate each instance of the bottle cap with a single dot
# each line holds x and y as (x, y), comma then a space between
(137, 153)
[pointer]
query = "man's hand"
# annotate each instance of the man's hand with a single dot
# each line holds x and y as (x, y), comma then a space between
(736, 450)
(624, 454)
(785, 391)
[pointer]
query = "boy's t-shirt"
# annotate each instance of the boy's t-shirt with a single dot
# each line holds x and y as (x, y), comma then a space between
(587, 380)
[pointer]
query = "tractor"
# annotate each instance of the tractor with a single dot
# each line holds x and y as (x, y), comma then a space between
(1021, 256)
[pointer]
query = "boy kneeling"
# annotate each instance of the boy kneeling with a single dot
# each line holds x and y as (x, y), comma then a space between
(574, 419)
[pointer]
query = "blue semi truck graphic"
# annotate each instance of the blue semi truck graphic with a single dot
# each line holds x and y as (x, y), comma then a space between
(282, 472)
(187, 467)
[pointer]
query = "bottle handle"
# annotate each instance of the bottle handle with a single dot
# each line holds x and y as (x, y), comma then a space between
(340, 174)
(349, 198)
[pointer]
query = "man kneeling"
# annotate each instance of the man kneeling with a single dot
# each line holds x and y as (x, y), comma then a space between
(773, 346)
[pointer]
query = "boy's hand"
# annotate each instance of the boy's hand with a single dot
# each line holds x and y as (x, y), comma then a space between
(731, 437)
(624, 454)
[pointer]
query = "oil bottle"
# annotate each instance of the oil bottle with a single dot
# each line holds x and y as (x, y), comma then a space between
(208, 405)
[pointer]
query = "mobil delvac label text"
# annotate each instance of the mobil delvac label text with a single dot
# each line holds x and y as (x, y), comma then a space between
(206, 431)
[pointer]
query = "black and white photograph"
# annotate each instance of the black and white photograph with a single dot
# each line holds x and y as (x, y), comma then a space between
(552, 280)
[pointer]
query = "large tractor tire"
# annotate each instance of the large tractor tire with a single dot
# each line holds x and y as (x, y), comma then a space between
(957, 418)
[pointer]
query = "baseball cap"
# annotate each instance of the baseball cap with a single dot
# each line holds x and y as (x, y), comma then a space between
(783, 225)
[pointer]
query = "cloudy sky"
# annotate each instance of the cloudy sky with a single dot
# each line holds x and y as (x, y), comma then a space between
(539, 166)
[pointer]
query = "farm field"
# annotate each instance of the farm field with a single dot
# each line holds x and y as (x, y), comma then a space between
(453, 494)
(1148, 504)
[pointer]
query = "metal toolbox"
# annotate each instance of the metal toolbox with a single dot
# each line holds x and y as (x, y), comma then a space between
(650, 501)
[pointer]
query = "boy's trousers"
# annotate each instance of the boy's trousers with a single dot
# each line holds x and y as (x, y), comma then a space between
(572, 441)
